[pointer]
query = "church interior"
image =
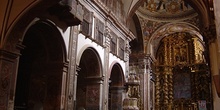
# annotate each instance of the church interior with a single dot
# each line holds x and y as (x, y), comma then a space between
(110, 55)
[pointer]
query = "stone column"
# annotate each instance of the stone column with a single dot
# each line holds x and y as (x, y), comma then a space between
(106, 68)
(214, 53)
(214, 69)
(94, 93)
(145, 73)
(8, 73)
(75, 86)
(141, 73)
(127, 53)
(64, 86)
(217, 24)
(72, 70)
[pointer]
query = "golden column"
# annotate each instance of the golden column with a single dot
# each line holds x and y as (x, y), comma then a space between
(170, 75)
(157, 91)
(170, 92)
(165, 74)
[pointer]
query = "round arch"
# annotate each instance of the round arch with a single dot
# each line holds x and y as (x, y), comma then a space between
(168, 29)
(137, 45)
(40, 70)
(116, 87)
(89, 80)
(117, 71)
(202, 9)
(90, 58)
(83, 49)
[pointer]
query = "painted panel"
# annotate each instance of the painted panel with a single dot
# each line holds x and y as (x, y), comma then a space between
(182, 85)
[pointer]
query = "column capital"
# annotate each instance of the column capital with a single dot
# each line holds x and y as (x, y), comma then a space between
(78, 68)
(95, 80)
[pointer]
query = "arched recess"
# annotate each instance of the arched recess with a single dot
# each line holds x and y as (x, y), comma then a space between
(168, 29)
(41, 69)
(116, 88)
(137, 45)
(89, 81)
(182, 73)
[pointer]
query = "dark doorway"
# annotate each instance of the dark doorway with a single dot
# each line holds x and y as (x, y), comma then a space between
(40, 70)
(89, 81)
(116, 88)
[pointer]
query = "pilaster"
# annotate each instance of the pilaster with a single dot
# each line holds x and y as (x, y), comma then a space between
(8, 73)
(106, 67)
(72, 70)
(143, 68)
(94, 93)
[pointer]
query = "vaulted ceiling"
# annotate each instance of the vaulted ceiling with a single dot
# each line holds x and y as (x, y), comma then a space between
(166, 10)
(159, 18)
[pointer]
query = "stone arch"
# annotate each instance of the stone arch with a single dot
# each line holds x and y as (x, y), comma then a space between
(137, 45)
(11, 44)
(167, 29)
(41, 68)
(89, 81)
(202, 8)
(116, 87)
(82, 50)
(116, 71)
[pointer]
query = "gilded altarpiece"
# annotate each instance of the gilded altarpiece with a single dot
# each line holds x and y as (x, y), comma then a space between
(182, 75)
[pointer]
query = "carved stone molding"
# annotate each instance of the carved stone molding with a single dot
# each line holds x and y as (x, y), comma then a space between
(108, 37)
(127, 51)
(112, 17)
(69, 11)
(7, 65)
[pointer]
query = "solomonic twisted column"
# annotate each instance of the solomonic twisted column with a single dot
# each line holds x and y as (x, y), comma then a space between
(157, 92)
(165, 88)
